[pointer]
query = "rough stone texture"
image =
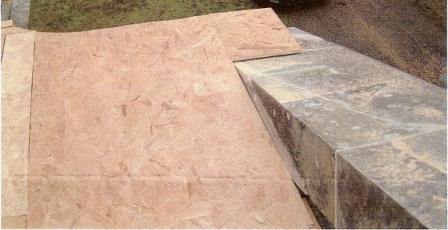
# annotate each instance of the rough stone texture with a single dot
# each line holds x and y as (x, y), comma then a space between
(313, 157)
(376, 133)
(255, 33)
(16, 94)
(275, 136)
(20, 11)
(147, 126)
(415, 166)
(311, 42)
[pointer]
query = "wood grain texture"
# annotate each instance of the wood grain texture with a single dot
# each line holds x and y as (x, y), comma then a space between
(17, 67)
(149, 125)
(10, 30)
(250, 34)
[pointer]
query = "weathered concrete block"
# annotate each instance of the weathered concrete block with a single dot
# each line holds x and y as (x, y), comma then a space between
(399, 182)
(310, 41)
(20, 11)
(313, 157)
(330, 103)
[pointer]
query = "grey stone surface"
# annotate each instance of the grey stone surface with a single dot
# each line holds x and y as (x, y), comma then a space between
(309, 41)
(403, 179)
(277, 140)
(6, 9)
(375, 113)
(20, 11)
(363, 204)
(319, 72)
(443, 79)
(313, 157)
(349, 121)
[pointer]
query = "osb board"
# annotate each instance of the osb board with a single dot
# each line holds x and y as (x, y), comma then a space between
(250, 34)
(147, 126)
(14, 222)
(10, 30)
(17, 67)
(6, 23)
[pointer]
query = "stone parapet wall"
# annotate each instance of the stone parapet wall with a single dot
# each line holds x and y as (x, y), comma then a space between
(368, 140)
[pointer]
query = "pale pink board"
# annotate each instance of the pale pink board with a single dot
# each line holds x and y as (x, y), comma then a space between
(250, 34)
(150, 126)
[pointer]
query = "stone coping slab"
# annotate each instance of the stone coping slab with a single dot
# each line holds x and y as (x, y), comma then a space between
(20, 10)
(409, 172)
(16, 11)
(141, 126)
(368, 140)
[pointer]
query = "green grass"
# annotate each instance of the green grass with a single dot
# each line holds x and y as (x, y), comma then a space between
(78, 15)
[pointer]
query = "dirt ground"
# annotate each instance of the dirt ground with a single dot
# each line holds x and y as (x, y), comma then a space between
(407, 34)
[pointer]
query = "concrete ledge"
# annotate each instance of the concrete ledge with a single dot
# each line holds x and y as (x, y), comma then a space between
(20, 11)
(368, 140)
(17, 11)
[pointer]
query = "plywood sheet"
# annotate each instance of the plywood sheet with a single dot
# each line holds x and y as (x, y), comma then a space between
(6, 23)
(14, 222)
(149, 125)
(250, 34)
(163, 202)
(10, 30)
(17, 67)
